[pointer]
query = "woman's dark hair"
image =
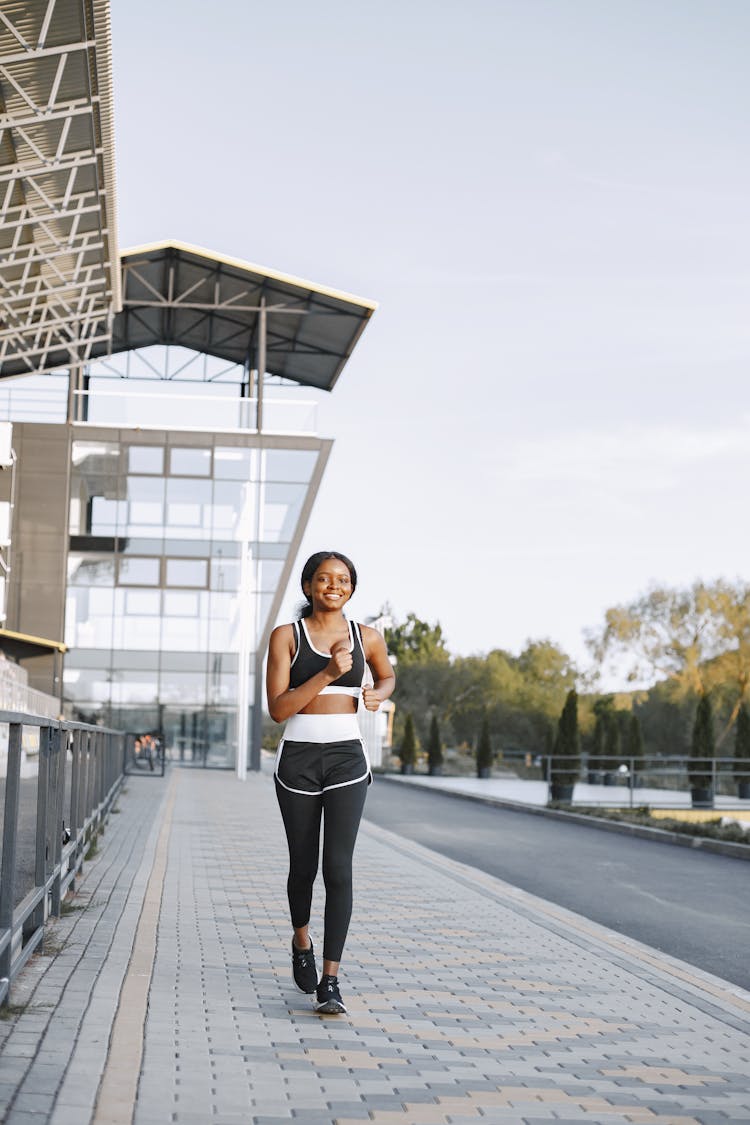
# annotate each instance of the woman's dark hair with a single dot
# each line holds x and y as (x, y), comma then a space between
(312, 564)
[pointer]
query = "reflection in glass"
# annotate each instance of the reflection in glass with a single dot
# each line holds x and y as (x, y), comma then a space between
(138, 572)
(187, 572)
(235, 464)
(90, 570)
(146, 459)
(290, 464)
(190, 462)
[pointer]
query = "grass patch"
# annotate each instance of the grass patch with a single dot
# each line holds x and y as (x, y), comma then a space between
(12, 1011)
(710, 828)
(68, 907)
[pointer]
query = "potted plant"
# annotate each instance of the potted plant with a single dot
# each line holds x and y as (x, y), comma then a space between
(484, 750)
(565, 759)
(434, 750)
(742, 754)
(702, 750)
(408, 751)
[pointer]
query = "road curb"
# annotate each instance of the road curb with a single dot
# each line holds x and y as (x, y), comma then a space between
(682, 840)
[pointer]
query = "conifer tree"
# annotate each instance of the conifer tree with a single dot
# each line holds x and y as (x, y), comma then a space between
(703, 745)
(742, 751)
(484, 748)
(434, 746)
(566, 750)
(408, 743)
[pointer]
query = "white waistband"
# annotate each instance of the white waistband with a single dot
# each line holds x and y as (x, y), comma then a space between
(322, 728)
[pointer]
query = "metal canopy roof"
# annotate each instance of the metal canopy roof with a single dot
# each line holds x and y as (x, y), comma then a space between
(174, 293)
(59, 269)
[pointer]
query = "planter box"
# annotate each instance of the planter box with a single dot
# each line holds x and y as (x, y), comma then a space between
(703, 797)
(561, 791)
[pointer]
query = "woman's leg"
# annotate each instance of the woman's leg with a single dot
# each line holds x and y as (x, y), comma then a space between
(342, 811)
(301, 816)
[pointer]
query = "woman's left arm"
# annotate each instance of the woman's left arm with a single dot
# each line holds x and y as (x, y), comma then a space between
(383, 675)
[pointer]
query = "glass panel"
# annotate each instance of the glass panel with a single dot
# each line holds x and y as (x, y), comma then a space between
(190, 462)
(234, 509)
(96, 456)
(188, 508)
(181, 605)
(290, 464)
(134, 687)
(138, 661)
(187, 572)
(143, 602)
(87, 570)
(270, 575)
(138, 572)
(183, 687)
(225, 574)
(88, 617)
(234, 464)
(184, 632)
(102, 516)
(87, 685)
(145, 459)
(281, 509)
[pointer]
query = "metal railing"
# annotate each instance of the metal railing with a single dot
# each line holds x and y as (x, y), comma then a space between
(677, 781)
(60, 779)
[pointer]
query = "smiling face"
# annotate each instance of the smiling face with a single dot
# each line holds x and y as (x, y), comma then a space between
(331, 585)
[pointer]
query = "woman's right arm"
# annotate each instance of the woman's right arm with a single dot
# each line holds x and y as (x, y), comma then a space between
(283, 701)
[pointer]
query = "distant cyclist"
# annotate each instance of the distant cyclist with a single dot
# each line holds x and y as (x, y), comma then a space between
(316, 669)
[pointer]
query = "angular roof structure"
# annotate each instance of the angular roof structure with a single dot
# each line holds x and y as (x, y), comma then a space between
(173, 293)
(59, 267)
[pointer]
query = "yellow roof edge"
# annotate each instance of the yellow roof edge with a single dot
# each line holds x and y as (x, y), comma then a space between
(30, 639)
(277, 275)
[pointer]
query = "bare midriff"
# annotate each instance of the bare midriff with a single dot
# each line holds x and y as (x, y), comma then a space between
(330, 705)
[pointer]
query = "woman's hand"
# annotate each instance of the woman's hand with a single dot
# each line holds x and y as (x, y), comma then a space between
(341, 659)
(371, 698)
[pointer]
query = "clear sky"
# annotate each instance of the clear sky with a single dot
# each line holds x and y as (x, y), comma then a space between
(549, 201)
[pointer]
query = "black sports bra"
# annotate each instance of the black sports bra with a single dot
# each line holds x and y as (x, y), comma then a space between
(309, 660)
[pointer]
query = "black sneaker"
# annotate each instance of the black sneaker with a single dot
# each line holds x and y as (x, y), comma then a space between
(328, 997)
(303, 969)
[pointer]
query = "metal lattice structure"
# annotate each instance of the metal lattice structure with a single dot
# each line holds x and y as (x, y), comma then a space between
(59, 263)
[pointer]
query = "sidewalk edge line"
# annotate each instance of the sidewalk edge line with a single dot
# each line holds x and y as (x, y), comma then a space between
(118, 1088)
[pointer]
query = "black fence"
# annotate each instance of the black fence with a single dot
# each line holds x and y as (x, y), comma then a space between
(57, 782)
(676, 782)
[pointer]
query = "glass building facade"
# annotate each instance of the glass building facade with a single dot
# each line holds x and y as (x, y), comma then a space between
(167, 560)
(176, 551)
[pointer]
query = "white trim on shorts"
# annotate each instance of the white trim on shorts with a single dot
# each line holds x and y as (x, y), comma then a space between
(322, 728)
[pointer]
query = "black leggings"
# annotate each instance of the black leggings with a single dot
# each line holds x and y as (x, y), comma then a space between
(342, 811)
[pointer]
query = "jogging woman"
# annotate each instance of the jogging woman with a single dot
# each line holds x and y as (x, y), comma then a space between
(316, 669)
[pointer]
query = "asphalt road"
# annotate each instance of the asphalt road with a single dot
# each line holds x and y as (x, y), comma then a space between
(689, 904)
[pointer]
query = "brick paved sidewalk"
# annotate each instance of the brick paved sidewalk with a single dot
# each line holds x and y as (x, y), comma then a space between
(468, 999)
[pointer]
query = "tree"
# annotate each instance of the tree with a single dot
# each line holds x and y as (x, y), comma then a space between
(596, 755)
(634, 741)
(702, 746)
(698, 639)
(434, 747)
(566, 750)
(742, 750)
(611, 742)
(408, 752)
(417, 642)
(484, 750)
